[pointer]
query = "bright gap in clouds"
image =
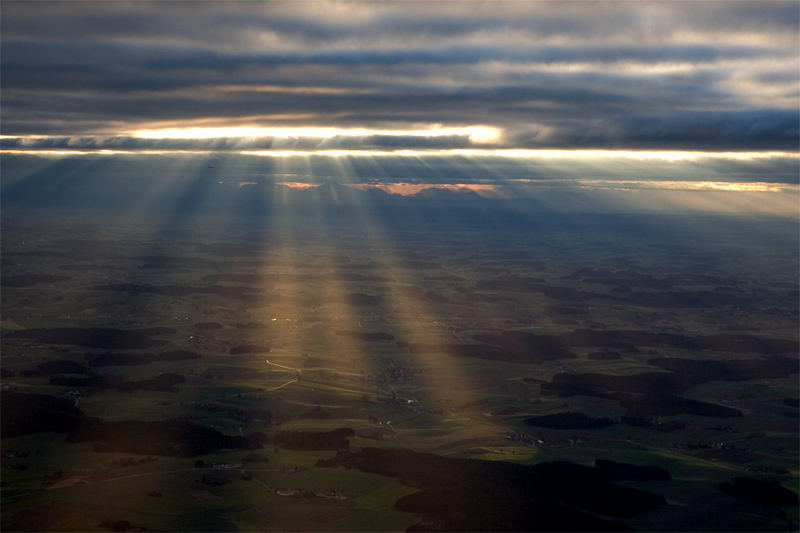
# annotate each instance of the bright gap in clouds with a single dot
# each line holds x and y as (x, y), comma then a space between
(756, 186)
(479, 134)
(520, 153)
(532, 153)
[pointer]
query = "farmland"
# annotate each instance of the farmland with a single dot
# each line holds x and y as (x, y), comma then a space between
(230, 377)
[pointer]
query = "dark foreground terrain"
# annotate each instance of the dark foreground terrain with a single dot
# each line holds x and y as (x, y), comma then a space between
(347, 371)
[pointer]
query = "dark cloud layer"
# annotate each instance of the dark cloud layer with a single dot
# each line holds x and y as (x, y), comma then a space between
(664, 75)
(226, 144)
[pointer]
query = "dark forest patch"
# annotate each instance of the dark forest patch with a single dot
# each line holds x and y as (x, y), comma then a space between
(317, 413)
(567, 294)
(235, 412)
(119, 359)
(509, 346)
(760, 492)
(516, 284)
(703, 370)
(603, 355)
(569, 420)
(528, 345)
(620, 277)
(723, 342)
(524, 263)
(207, 326)
(186, 261)
(25, 413)
(29, 280)
(563, 310)
(480, 351)
(681, 374)
(421, 294)
(159, 266)
(485, 297)
(121, 339)
(694, 299)
(173, 438)
(669, 405)
(468, 494)
(358, 299)
(44, 517)
(729, 454)
(234, 278)
(367, 336)
(177, 355)
(309, 440)
(615, 471)
(249, 348)
(509, 283)
(643, 395)
(60, 366)
(251, 325)
(238, 292)
(602, 384)
(442, 277)
(412, 264)
(85, 267)
(164, 382)
(354, 276)
(38, 253)
(130, 359)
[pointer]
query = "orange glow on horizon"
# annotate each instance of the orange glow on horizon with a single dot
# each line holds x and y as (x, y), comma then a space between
(298, 184)
(755, 186)
(411, 189)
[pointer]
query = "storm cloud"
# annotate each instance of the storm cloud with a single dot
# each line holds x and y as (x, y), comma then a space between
(624, 75)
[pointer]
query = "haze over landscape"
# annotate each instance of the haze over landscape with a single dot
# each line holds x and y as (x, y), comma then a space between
(354, 266)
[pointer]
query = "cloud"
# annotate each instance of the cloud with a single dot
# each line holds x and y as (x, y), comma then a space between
(238, 144)
(237, 25)
(749, 130)
(681, 130)
(664, 75)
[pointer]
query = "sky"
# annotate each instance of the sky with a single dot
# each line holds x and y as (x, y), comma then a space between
(570, 92)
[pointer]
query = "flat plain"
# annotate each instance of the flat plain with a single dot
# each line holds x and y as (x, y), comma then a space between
(225, 375)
